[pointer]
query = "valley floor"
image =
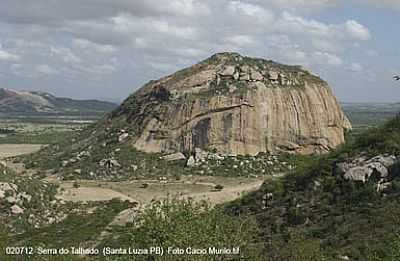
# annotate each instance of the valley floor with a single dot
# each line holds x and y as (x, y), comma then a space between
(195, 187)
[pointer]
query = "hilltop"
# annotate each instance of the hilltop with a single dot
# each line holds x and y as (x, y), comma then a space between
(234, 105)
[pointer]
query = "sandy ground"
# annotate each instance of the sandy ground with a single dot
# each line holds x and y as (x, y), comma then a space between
(69, 193)
(133, 191)
(227, 194)
(191, 187)
(11, 150)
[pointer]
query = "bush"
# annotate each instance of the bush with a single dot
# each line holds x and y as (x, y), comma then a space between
(183, 223)
(177, 177)
(219, 187)
(144, 185)
(299, 248)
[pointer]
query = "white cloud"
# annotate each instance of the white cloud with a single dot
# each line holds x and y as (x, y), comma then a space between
(7, 56)
(88, 45)
(290, 23)
(327, 58)
(294, 56)
(140, 42)
(95, 71)
(54, 13)
(357, 30)
(245, 8)
(251, 13)
(240, 40)
(190, 52)
(165, 27)
(299, 56)
(326, 45)
(356, 67)
(127, 24)
(162, 67)
(299, 25)
(46, 69)
(65, 54)
(372, 53)
(186, 7)
(304, 4)
(383, 3)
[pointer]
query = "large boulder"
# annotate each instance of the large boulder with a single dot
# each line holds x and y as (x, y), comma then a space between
(234, 105)
(16, 210)
(174, 157)
(363, 168)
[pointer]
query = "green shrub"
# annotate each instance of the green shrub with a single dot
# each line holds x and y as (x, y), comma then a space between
(218, 187)
(183, 223)
(76, 184)
(144, 185)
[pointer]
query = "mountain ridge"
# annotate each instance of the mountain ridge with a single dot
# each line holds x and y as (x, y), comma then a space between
(37, 102)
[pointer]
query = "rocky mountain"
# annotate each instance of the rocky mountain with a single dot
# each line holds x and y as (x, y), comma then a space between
(30, 102)
(227, 105)
(234, 105)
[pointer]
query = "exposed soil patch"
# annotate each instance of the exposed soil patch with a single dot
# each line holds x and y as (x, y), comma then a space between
(12, 150)
(84, 194)
(198, 188)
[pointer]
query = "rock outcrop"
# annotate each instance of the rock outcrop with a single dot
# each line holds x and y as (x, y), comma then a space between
(235, 105)
(363, 169)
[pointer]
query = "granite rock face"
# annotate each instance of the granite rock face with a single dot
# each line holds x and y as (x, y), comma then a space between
(235, 105)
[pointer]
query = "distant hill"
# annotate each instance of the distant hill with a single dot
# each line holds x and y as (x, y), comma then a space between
(32, 102)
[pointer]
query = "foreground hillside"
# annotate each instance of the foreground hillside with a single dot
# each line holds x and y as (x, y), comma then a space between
(341, 206)
(41, 103)
(33, 216)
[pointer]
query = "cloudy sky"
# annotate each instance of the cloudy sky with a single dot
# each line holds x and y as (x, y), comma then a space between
(106, 49)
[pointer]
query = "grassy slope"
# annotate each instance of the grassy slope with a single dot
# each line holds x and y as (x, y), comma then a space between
(313, 203)
(101, 141)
